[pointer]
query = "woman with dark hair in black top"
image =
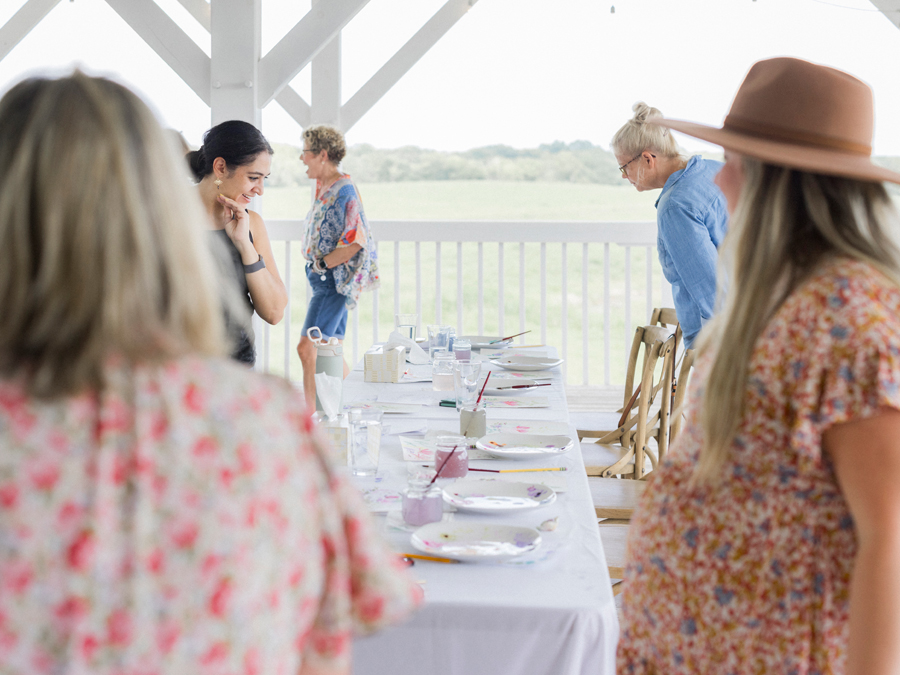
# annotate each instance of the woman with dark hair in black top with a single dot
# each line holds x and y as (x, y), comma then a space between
(230, 168)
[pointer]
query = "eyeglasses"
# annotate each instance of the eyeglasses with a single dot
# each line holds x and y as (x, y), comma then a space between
(625, 165)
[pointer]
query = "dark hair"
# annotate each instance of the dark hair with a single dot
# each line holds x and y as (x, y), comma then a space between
(235, 141)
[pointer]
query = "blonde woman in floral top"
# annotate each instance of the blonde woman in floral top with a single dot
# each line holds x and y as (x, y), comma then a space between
(162, 509)
(769, 539)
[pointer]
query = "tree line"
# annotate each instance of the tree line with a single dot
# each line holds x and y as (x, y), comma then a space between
(576, 162)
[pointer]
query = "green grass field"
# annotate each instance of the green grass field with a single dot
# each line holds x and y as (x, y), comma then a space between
(484, 200)
(481, 200)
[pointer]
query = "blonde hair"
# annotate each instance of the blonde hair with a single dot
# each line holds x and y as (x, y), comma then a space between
(786, 224)
(101, 248)
(636, 135)
(329, 139)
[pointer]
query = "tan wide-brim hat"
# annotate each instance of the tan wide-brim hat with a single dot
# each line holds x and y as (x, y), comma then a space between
(800, 115)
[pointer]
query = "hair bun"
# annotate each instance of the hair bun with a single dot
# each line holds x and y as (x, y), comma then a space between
(643, 112)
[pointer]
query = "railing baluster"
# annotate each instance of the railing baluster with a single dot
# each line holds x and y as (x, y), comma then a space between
(501, 299)
(606, 330)
(543, 293)
(628, 327)
(287, 311)
(396, 277)
(419, 280)
(585, 328)
(437, 283)
(564, 314)
(459, 289)
(480, 288)
(375, 316)
(521, 286)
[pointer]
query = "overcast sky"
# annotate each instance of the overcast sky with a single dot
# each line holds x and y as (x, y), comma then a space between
(518, 72)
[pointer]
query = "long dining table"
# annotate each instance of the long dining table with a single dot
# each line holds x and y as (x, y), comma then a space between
(550, 611)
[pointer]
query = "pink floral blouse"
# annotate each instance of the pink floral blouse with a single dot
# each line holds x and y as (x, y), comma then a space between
(185, 522)
(752, 575)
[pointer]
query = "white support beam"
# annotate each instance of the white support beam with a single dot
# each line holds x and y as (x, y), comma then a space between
(22, 22)
(200, 10)
(295, 50)
(400, 63)
(236, 46)
(295, 106)
(167, 39)
(890, 8)
(326, 84)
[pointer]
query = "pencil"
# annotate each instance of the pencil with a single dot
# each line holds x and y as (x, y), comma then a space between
(552, 468)
(428, 557)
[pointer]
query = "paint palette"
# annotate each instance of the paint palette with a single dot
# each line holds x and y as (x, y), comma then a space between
(474, 542)
(497, 496)
(524, 446)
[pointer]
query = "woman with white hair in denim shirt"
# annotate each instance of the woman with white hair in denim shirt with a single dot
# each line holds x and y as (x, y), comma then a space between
(690, 213)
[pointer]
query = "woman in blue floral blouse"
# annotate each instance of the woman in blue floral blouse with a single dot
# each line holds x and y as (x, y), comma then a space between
(338, 246)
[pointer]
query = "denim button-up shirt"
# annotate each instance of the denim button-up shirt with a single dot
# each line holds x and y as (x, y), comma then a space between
(691, 223)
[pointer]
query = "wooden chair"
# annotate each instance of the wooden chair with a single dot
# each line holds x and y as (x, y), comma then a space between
(681, 390)
(598, 425)
(614, 538)
(624, 451)
(640, 341)
(666, 316)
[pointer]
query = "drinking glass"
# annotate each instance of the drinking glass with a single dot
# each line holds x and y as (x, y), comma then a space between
(465, 382)
(406, 325)
(442, 371)
(365, 441)
(462, 349)
(453, 455)
(422, 500)
(438, 338)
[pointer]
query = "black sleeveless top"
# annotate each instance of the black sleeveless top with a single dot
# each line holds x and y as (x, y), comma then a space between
(240, 334)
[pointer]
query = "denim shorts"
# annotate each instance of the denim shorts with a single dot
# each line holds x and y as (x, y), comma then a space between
(327, 308)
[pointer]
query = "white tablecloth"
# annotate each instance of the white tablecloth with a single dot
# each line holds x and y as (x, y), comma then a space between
(554, 615)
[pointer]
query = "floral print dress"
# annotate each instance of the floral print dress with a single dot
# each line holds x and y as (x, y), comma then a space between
(186, 521)
(752, 574)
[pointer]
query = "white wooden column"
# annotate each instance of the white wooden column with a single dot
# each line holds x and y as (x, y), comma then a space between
(236, 28)
(326, 82)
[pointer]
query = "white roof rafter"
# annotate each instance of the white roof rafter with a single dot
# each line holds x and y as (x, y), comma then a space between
(167, 39)
(405, 58)
(258, 80)
(890, 8)
(22, 22)
(301, 44)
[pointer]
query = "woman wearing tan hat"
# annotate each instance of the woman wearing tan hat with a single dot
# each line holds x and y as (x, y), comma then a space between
(769, 541)
(690, 212)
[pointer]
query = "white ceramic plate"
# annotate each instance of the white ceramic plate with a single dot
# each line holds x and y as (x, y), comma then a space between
(504, 387)
(523, 446)
(497, 496)
(526, 362)
(484, 341)
(474, 541)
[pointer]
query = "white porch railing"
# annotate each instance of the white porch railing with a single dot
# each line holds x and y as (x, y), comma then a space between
(617, 290)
